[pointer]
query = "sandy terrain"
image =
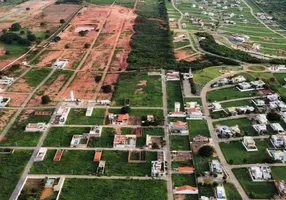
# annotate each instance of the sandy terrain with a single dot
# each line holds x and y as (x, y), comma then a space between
(16, 99)
(5, 116)
(21, 86)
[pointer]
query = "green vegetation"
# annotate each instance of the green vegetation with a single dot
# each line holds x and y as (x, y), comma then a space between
(179, 143)
(61, 136)
(139, 88)
(182, 164)
(235, 153)
(198, 100)
(206, 190)
(218, 114)
(35, 76)
(174, 94)
(17, 136)
(201, 163)
(77, 116)
(256, 68)
(244, 124)
(13, 49)
(278, 173)
(231, 191)
(12, 166)
(198, 127)
(228, 93)
(237, 103)
(75, 189)
(183, 179)
(141, 141)
(255, 190)
(106, 139)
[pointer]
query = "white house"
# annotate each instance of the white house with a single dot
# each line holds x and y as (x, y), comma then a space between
(277, 141)
(4, 101)
(281, 105)
(60, 64)
(89, 111)
(259, 84)
(35, 127)
(273, 97)
(249, 143)
(260, 128)
(41, 154)
(277, 68)
(61, 115)
(277, 155)
(244, 86)
(283, 116)
(277, 128)
(258, 102)
(220, 193)
(261, 119)
(216, 106)
(5, 80)
(216, 167)
(173, 76)
(95, 131)
(238, 79)
(158, 168)
(186, 189)
(260, 173)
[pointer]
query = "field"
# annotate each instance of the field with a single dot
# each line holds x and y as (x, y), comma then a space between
(231, 191)
(137, 87)
(16, 135)
(174, 94)
(256, 190)
(244, 124)
(235, 153)
(198, 127)
(5, 116)
(237, 103)
(256, 68)
(278, 173)
(201, 163)
(228, 93)
(12, 166)
(129, 189)
(183, 179)
(179, 143)
(77, 116)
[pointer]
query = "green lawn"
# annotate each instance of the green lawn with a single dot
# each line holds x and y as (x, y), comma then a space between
(231, 191)
(184, 179)
(201, 163)
(35, 76)
(244, 124)
(140, 142)
(139, 88)
(255, 190)
(206, 190)
(75, 189)
(14, 49)
(218, 114)
(174, 94)
(228, 93)
(236, 152)
(237, 103)
(17, 136)
(198, 100)
(279, 173)
(77, 116)
(179, 143)
(106, 139)
(198, 127)
(11, 169)
(280, 78)
(256, 68)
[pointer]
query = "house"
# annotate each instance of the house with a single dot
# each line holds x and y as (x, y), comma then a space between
(249, 143)
(185, 170)
(173, 76)
(258, 102)
(41, 154)
(256, 46)
(79, 141)
(95, 131)
(277, 128)
(61, 115)
(153, 141)
(244, 86)
(231, 111)
(4, 101)
(220, 193)
(277, 155)
(223, 81)
(277, 141)
(240, 78)
(281, 188)
(177, 111)
(89, 111)
(60, 64)
(118, 119)
(194, 113)
(184, 25)
(245, 109)
(260, 128)
(272, 97)
(100, 167)
(216, 167)
(5, 80)
(179, 127)
(97, 156)
(260, 173)
(281, 105)
(216, 106)
(35, 127)
(283, 116)
(226, 131)
(261, 119)
(186, 189)
(200, 141)
(124, 141)
(158, 168)
(58, 155)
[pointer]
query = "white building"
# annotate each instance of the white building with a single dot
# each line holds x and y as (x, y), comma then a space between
(277, 155)
(258, 85)
(61, 115)
(226, 131)
(283, 116)
(41, 154)
(244, 86)
(260, 128)
(277, 68)
(158, 168)
(249, 143)
(260, 173)
(173, 76)
(4, 101)
(95, 131)
(5, 80)
(124, 141)
(179, 127)
(278, 141)
(220, 193)
(89, 111)
(216, 167)
(258, 102)
(277, 128)
(261, 119)
(238, 79)
(60, 64)
(35, 127)
(273, 97)
(216, 106)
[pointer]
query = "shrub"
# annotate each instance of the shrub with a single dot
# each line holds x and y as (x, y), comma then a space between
(15, 27)
(206, 151)
(125, 110)
(86, 45)
(67, 46)
(46, 99)
(97, 78)
(62, 21)
(83, 33)
(106, 88)
(273, 116)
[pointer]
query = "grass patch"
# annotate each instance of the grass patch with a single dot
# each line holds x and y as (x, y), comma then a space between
(11, 168)
(75, 189)
(77, 116)
(198, 127)
(218, 114)
(184, 179)
(179, 143)
(141, 89)
(14, 49)
(255, 190)
(140, 142)
(106, 139)
(237, 103)
(231, 191)
(201, 163)
(236, 152)
(256, 68)
(278, 173)
(198, 100)
(206, 190)
(35, 76)
(181, 164)
(174, 94)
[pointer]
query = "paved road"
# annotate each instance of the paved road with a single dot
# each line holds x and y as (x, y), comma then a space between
(241, 138)
(253, 165)
(107, 126)
(234, 117)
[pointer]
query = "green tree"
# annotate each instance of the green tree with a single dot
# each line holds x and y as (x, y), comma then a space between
(206, 151)
(15, 27)
(46, 99)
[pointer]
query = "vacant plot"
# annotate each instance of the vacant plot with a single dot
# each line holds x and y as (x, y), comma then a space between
(237, 103)
(228, 93)
(5, 116)
(244, 124)
(231, 191)
(32, 79)
(179, 143)
(280, 78)
(77, 116)
(235, 153)
(141, 141)
(118, 189)
(256, 68)
(106, 139)
(72, 162)
(198, 100)
(17, 136)
(198, 127)
(201, 163)
(61, 136)
(12, 166)
(139, 88)
(256, 190)
(218, 114)
(174, 94)
(182, 164)
(206, 190)
(278, 173)
(184, 179)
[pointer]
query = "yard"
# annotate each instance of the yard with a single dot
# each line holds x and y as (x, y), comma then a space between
(17, 136)
(179, 143)
(278, 173)
(244, 124)
(77, 116)
(184, 179)
(255, 190)
(228, 93)
(174, 94)
(139, 88)
(235, 153)
(237, 103)
(198, 127)
(75, 189)
(231, 191)
(201, 163)
(12, 166)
